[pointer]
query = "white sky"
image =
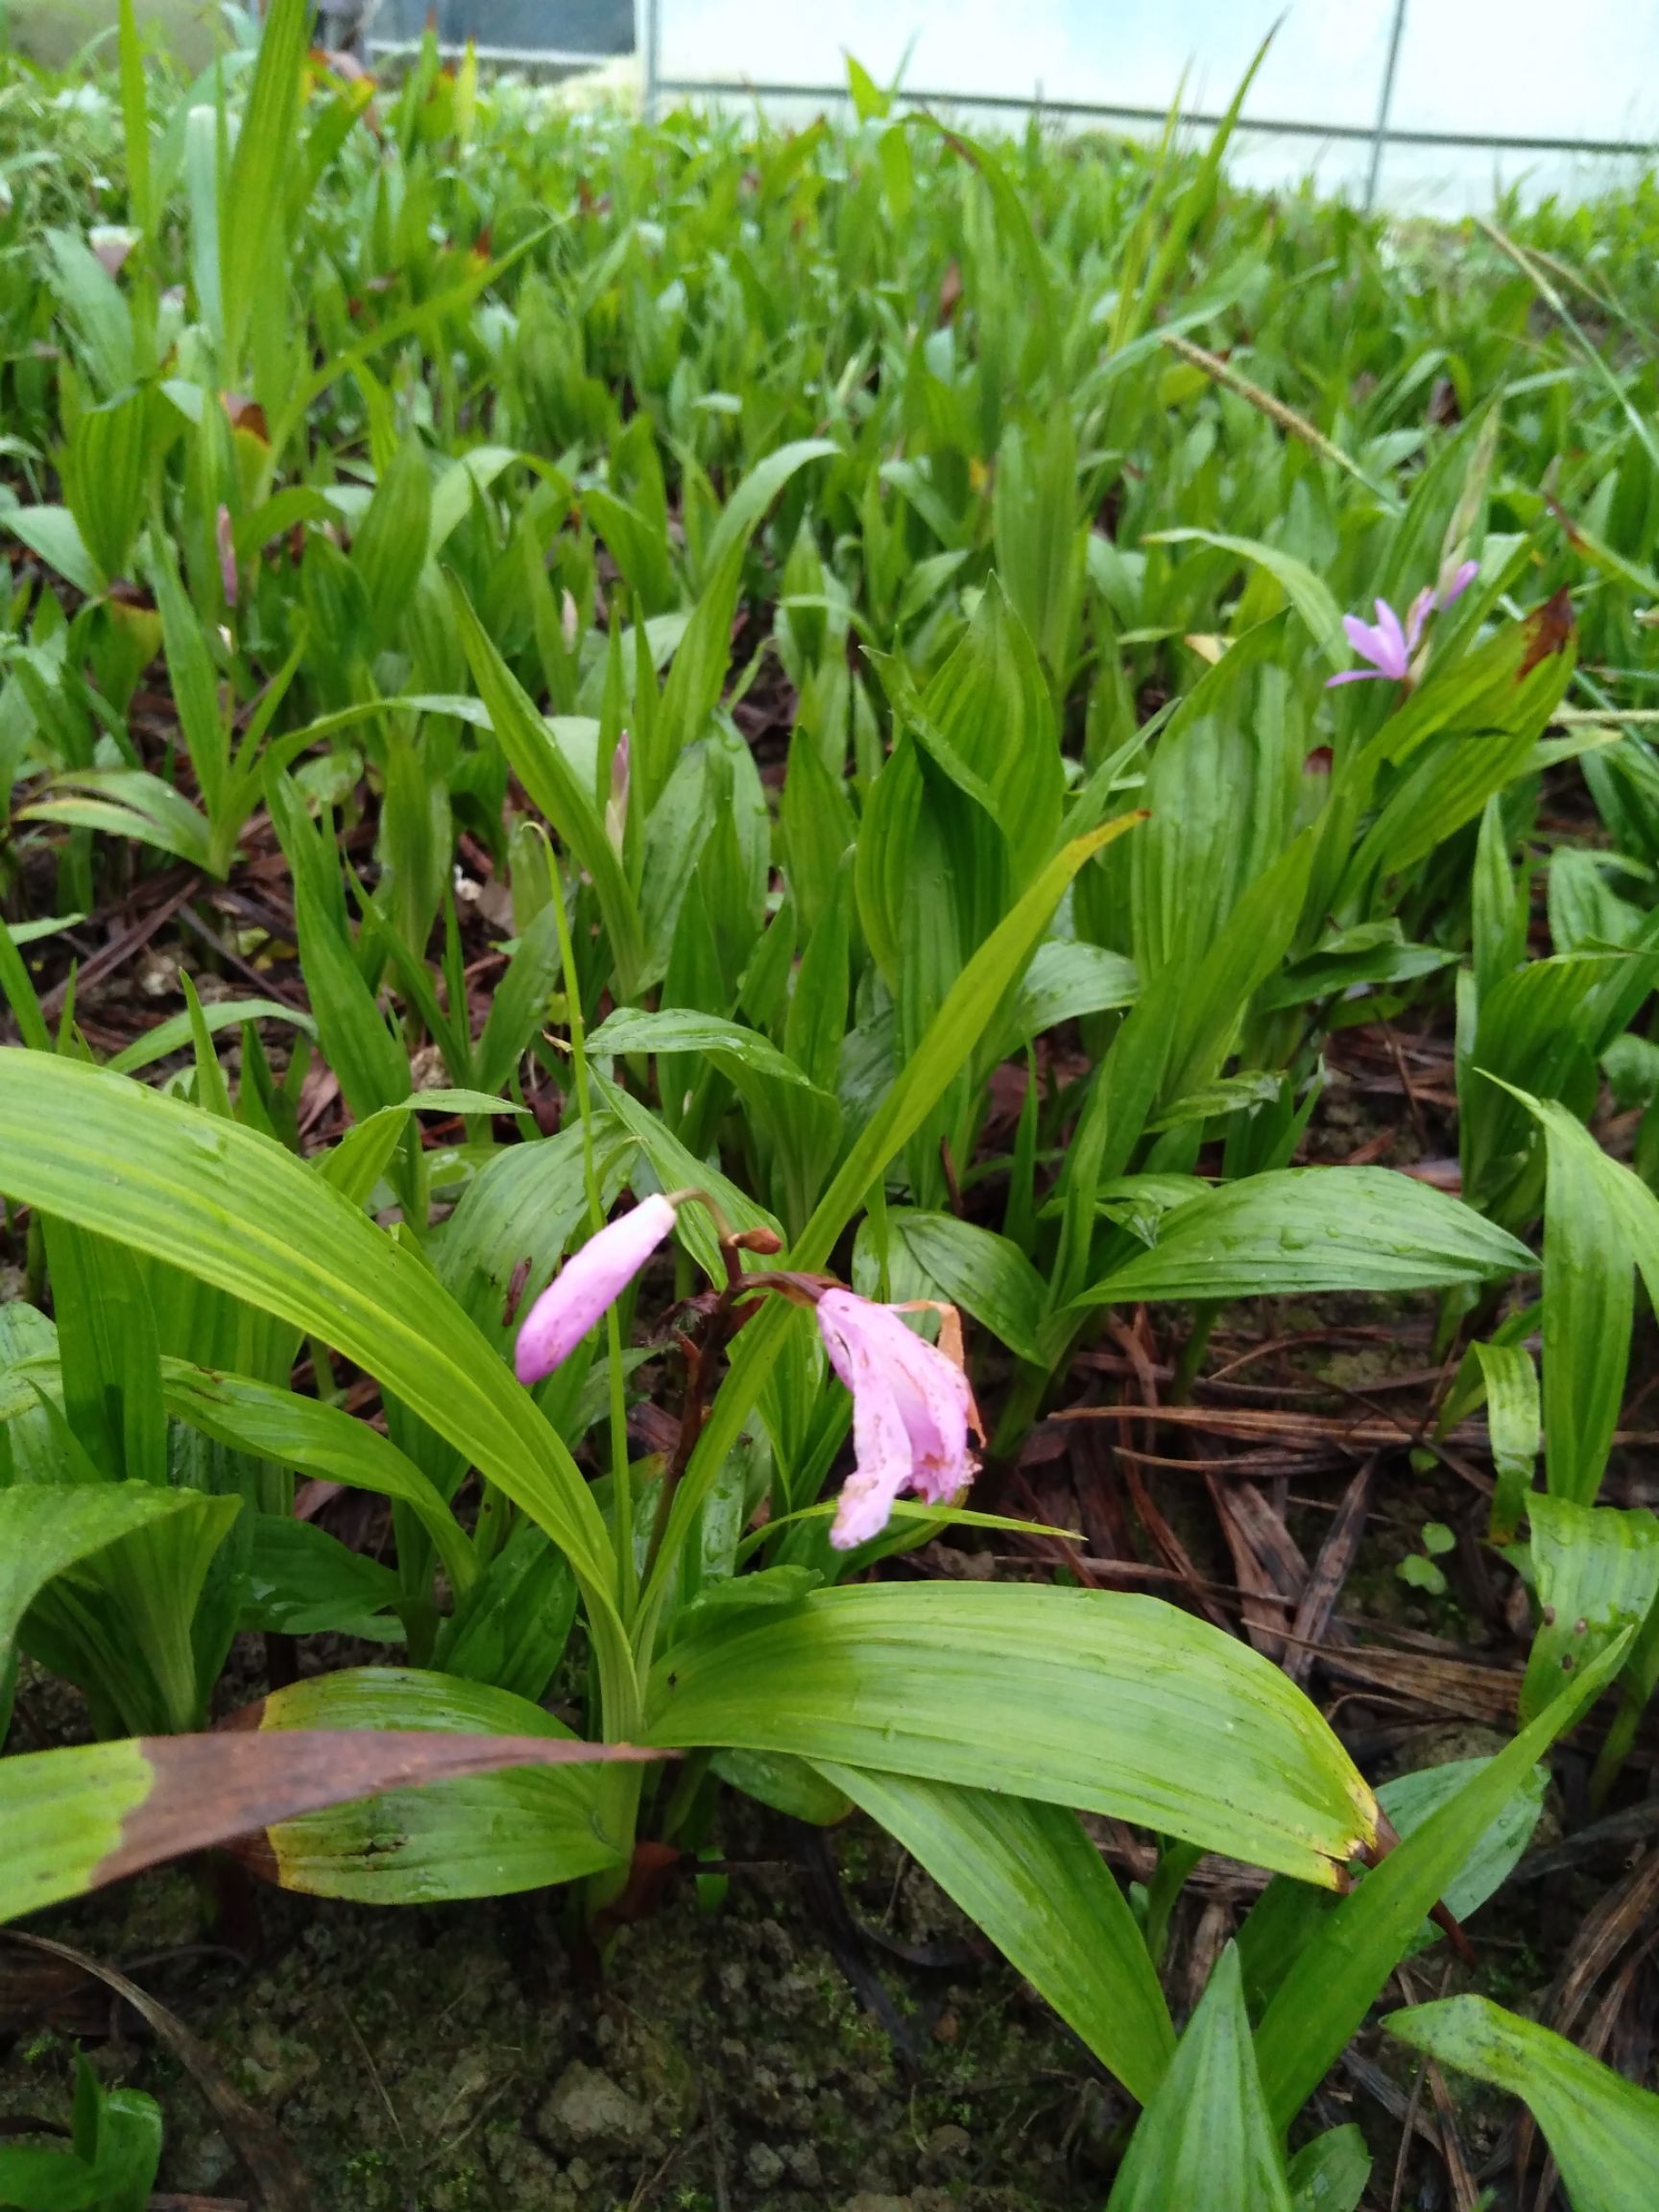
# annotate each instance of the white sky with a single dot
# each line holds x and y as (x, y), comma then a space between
(1538, 68)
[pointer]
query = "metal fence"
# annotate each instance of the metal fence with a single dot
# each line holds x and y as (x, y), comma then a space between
(1391, 99)
(555, 34)
(1396, 101)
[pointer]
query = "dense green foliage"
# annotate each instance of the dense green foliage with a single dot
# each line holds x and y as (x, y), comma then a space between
(818, 621)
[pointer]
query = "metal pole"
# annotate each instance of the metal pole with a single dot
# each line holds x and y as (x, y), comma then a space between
(1381, 138)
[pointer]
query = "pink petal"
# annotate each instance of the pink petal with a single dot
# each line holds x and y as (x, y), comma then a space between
(1395, 658)
(1370, 645)
(589, 1282)
(1461, 579)
(1421, 608)
(883, 1469)
(910, 1406)
(1355, 676)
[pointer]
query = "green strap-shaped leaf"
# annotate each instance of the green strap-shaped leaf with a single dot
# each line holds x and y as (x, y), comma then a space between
(1090, 1698)
(482, 1834)
(1206, 2138)
(1309, 594)
(547, 778)
(1312, 1229)
(45, 1529)
(319, 1440)
(96, 1813)
(1595, 1573)
(1602, 2129)
(1330, 2173)
(1505, 1377)
(231, 1208)
(1589, 1299)
(1336, 1977)
(1025, 1872)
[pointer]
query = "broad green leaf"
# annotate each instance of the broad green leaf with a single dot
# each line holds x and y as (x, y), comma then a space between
(1206, 2137)
(126, 803)
(553, 787)
(301, 1581)
(253, 229)
(1307, 592)
(233, 1209)
(318, 1440)
(1330, 2173)
(1026, 1874)
(1336, 1976)
(1309, 1229)
(1084, 1699)
(1066, 979)
(1595, 1574)
(1589, 1299)
(92, 1814)
(983, 1273)
(486, 1836)
(46, 1528)
(681, 1029)
(53, 533)
(1602, 2130)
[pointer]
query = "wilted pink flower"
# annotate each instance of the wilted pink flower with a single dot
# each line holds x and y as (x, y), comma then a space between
(911, 1409)
(225, 544)
(589, 1282)
(1387, 643)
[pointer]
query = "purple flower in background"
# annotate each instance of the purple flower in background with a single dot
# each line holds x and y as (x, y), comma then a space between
(1388, 644)
(589, 1282)
(912, 1411)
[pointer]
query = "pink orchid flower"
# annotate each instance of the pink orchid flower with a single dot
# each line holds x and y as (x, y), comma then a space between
(911, 1411)
(590, 1282)
(1388, 644)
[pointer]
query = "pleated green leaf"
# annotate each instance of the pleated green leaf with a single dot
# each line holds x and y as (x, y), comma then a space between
(1298, 1230)
(1602, 2130)
(232, 1208)
(1079, 1697)
(1206, 2138)
(1025, 1872)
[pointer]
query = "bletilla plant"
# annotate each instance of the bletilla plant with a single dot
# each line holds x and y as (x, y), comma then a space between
(707, 660)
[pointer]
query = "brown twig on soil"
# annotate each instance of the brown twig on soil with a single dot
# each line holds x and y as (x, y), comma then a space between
(1331, 1571)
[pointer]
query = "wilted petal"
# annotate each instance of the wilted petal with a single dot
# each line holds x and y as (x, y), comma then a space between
(883, 1469)
(589, 1282)
(911, 1408)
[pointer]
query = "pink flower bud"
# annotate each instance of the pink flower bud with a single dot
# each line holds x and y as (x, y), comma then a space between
(590, 1282)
